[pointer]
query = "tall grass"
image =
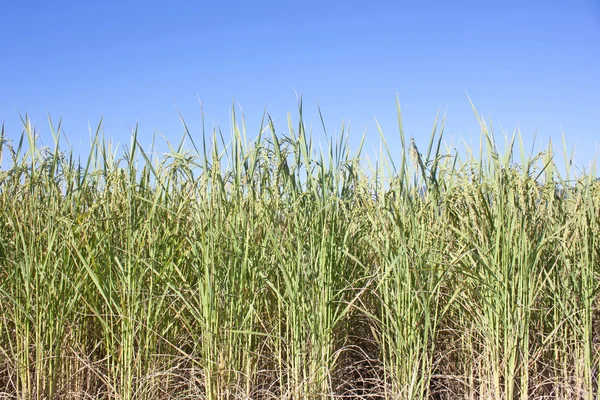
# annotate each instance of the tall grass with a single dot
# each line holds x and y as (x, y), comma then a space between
(273, 268)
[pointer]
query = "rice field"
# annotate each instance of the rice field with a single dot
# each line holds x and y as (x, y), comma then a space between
(277, 268)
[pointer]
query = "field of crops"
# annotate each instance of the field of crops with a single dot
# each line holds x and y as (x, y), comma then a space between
(279, 269)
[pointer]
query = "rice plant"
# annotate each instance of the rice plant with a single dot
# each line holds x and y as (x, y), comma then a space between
(275, 267)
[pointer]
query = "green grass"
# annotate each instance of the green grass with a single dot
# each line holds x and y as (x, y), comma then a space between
(268, 269)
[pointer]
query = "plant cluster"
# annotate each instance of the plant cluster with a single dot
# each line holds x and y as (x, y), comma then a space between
(269, 269)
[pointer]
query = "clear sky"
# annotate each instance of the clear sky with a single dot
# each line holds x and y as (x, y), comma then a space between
(527, 64)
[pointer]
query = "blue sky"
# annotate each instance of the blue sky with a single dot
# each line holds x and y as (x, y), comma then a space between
(527, 64)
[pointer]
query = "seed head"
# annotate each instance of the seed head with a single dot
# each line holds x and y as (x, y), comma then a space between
(413, 152)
